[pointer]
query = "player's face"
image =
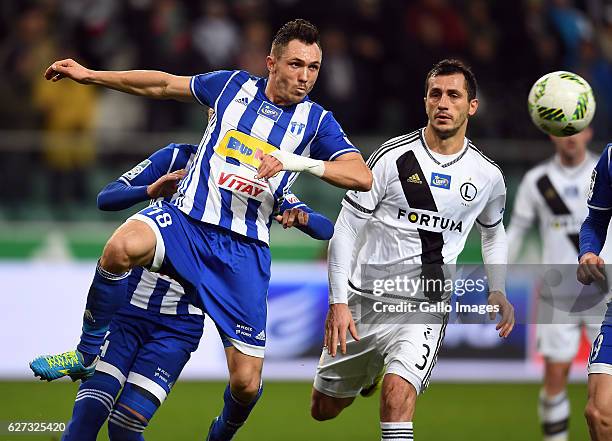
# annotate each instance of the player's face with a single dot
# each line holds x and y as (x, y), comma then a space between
(573, 146)
(294, 71)
(447, 104)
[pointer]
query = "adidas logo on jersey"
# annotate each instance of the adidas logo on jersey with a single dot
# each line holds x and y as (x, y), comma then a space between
(414, 179)
(261, 335)
(244, 100)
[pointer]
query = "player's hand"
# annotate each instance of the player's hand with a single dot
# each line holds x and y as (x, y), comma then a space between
(166, 185)
(269, 167)
(68, 68)
(590, 269)
(506, 310)
(293, 216)
(338, 321)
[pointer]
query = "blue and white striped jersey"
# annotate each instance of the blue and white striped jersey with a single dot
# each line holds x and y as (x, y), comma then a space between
(220, 187)
(152, 291)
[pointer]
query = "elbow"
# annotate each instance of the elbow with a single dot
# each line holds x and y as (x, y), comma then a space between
(102, 203)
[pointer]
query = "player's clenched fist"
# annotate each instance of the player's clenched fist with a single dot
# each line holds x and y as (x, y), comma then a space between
(165, 186)
(590, 269)
(293, 216)
(67, 68)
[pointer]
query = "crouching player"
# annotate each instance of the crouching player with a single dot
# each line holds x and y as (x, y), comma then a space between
(152, 336)
(591, 268)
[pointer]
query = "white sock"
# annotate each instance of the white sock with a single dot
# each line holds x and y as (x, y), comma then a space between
(554, 416)
(396, 431)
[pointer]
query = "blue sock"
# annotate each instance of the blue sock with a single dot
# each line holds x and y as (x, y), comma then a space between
(232, 417)
(123, 425)
(106, 295)
(92, 406)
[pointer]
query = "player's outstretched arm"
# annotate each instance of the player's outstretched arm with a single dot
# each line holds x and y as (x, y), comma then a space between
(346, 171)
(153, 84)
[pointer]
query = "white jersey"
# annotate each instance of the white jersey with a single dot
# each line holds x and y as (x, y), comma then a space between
(220, 187)
(555, 195)
(422, 205)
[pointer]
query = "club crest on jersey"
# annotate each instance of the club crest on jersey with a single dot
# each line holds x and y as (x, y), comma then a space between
(296, 128)
(241, 185)
(440, 180)
(430, 220)
(270, 111)
(468, 191)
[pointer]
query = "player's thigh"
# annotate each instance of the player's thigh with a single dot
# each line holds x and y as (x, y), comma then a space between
(411, 350)
(558, 342)
(179, 251)
(344, 375)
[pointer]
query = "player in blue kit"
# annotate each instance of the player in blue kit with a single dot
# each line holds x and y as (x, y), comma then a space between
(152, 336)
(213, 238)
(591, 268)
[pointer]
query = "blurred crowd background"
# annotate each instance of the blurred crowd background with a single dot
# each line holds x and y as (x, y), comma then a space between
(61, 142)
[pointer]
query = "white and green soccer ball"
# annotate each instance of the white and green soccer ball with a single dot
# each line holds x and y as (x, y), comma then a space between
(561, 103)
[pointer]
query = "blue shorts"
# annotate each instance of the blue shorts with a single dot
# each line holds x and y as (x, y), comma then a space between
(230, 273)
(149, 349)
(600, 360)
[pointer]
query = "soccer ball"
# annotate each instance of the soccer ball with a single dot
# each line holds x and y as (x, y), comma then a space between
(561, 103)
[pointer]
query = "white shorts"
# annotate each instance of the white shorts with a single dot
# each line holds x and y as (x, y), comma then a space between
(407, 350)
(560, 342)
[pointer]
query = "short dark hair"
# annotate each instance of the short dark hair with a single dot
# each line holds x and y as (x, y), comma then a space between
(298, 29)
(453, 66)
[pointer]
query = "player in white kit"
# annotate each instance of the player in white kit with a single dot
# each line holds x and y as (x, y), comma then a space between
(554, 193)
(429, 188)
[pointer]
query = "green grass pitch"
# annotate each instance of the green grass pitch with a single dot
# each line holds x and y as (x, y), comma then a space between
(445, 412)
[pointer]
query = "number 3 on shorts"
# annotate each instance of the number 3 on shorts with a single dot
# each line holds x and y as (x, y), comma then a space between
(163, 220)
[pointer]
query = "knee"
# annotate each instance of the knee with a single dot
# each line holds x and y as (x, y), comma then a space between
(115, 257)
(598, 415)
(245, 385)
(323, 407)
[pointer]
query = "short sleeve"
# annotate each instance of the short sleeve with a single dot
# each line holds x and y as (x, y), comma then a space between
(600, 191)
(207, 87)
(363, 203)
(330, 140)
(493, 212)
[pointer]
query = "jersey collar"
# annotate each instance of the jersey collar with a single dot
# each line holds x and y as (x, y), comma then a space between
(455, 158)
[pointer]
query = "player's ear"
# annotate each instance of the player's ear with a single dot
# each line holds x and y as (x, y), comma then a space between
(473, 107)
(270, 63)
